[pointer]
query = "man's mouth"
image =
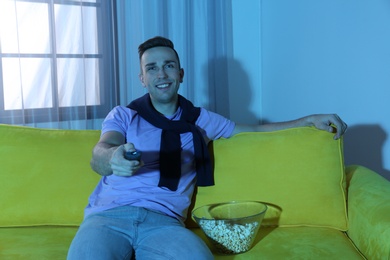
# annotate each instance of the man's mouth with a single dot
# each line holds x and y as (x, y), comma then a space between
(161, 86)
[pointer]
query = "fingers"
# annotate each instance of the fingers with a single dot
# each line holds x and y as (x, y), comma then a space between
(129, 147)
(329, 122)
(341, 126)
(127, 169)
(121, 166)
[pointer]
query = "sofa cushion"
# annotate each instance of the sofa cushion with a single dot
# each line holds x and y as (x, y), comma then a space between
(43, 242)
(271, 243)
(294, 243)
(369, 211)
(299, 172)
(45, 177)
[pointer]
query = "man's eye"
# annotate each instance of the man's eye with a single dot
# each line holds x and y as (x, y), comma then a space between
(150, 68)
(170, 66)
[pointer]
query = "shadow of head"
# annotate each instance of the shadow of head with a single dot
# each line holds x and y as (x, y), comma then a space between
(229, 89)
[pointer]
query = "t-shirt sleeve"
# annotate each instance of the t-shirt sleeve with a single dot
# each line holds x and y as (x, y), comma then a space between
(118, 119)
(214, 125)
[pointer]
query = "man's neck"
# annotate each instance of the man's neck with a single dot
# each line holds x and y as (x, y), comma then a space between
(166, 109)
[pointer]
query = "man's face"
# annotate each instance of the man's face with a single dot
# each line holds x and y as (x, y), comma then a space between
(161, 74)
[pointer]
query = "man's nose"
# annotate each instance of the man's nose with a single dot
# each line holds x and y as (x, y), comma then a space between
(161, 73)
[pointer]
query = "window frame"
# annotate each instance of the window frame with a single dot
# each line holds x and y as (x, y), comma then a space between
(108, 73)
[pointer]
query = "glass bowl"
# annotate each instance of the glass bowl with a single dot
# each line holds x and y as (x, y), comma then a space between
(230, 226)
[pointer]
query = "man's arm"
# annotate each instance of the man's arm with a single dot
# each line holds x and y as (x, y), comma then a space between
(108, 156)
(323, 122)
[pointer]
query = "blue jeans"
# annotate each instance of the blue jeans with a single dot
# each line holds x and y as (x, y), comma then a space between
(131, 232)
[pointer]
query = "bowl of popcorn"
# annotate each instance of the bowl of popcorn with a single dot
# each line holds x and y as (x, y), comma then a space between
(230, 226)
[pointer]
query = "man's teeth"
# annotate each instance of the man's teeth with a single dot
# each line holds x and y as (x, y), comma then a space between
(162, 86)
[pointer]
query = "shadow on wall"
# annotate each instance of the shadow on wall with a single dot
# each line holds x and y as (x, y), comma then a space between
(363, 145)
(229, 91)
(230, 95)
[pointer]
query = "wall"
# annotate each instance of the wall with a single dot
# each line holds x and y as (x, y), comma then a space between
(244, 65)
(285, 59)
(331, 57)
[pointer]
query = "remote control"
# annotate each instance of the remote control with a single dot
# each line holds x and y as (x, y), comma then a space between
(133, 155)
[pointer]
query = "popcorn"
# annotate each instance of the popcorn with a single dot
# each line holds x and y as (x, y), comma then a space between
(229, 238)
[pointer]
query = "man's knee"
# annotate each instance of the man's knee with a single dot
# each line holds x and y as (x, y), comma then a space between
(99, 242)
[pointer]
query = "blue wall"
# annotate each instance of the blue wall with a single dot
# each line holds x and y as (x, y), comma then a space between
(285, 59)
(331, 57)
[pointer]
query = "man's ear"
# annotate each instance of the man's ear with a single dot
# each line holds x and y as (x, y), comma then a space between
(181, 75)
(141, 78)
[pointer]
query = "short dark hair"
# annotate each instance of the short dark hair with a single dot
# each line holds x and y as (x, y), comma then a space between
(157, 41)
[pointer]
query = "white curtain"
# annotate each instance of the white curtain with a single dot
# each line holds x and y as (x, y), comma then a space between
(57, 63)
(201, 32)
(58, 58)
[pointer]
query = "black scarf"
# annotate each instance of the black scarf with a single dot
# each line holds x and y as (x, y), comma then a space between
(170, 149)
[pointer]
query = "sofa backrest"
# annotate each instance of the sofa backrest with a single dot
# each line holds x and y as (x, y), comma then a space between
(298, 172)
(45, 177)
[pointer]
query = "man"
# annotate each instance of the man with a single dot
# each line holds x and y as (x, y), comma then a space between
(139, 206)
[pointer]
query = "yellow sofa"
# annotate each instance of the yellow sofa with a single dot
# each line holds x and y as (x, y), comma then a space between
(318, 209)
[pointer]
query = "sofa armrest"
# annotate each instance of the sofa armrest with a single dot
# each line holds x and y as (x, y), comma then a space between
(369, 212)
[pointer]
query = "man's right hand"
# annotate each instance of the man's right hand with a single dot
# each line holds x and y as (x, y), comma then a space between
(120, 165)
(108, 156)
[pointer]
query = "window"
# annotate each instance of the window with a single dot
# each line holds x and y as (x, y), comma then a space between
(57, 60)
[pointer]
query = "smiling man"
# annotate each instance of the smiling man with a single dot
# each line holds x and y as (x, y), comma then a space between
(161, 74)
(139, 206)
